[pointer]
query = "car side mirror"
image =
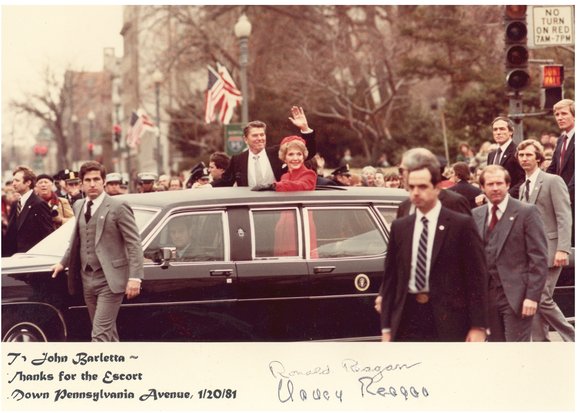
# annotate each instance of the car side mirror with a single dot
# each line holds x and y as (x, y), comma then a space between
(167, 254)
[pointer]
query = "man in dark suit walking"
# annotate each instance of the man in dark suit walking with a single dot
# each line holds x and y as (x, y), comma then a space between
(505, 154)
(549, 193)
(563, 162)
(30, 217)
(432, 291)
(450, 200)
(260, 166)
(462, 186)
(105, 253)
(516, 256)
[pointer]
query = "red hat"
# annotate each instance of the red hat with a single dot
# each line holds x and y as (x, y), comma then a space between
(289, 139)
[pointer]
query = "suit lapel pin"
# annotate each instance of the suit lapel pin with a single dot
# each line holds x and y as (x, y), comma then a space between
(511, 218)
(441, 227)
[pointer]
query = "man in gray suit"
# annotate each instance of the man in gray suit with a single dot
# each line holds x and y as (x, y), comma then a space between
(105, 253)
(516, 256)
(549, 193)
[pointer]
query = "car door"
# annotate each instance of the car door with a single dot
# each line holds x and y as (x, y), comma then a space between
(271, 271)
(190, 297)
(347, 247)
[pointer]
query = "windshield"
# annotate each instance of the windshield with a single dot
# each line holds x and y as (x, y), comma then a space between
(56, 243)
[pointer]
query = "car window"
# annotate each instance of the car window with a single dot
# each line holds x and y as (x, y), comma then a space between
(275, 233)
(196, 237)
(344, 232)
(57, 242)
(389, 214)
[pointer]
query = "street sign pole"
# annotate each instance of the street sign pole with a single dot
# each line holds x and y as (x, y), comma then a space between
(516, 115)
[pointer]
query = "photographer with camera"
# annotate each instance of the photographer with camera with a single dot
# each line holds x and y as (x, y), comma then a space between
(61, 210)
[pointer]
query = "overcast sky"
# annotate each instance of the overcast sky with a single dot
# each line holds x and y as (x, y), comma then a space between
(34, 37)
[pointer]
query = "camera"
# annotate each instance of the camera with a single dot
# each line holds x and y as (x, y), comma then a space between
(55, 211)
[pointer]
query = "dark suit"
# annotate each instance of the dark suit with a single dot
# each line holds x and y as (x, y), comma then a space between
(25, 231)
(516, 254)
(457, 281)
(237, 171)
(116, 245)
(567, 172)
(510, 163)
(468, 191)
(450, 200)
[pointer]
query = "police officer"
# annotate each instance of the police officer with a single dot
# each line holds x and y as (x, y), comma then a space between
(341, 175)
(113, 183)
(146, 182)
(199, 177)
(73, 183)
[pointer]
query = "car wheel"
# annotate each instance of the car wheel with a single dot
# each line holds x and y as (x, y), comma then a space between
(24, 332)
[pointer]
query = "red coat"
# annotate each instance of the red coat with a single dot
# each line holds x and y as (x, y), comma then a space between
(302, 179)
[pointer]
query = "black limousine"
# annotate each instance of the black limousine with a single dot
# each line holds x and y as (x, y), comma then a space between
(229, 264)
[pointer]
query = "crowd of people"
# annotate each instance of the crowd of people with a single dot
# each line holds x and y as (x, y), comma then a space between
(494, 279)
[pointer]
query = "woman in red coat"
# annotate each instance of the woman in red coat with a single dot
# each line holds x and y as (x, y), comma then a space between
(293, 152)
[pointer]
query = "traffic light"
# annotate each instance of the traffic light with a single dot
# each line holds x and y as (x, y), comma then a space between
(552, 78)
(517, 76)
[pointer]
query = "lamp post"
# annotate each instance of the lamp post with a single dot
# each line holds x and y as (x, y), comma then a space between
(91, 118)
(76, 138)
(441, 108)
(116, 101)
(158, 77)
(242, 32)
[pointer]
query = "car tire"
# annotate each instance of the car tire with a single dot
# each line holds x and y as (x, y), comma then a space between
(24, 332)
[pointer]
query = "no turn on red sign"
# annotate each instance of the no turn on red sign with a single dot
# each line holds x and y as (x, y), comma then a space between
(551, 26)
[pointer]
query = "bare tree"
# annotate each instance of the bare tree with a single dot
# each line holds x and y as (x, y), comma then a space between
(49, 107)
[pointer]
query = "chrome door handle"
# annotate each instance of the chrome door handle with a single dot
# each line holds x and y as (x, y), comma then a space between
(324, 270)
(223, 273)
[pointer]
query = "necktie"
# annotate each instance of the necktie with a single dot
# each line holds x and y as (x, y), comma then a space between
(498, 156)
(563, 150)
(527, 190)
(18, 208)
(88, 211)
(494, 219)
(258, 174)
(421, 267)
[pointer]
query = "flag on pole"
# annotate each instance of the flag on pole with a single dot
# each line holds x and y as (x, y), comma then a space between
(140, 124)
(222, 95)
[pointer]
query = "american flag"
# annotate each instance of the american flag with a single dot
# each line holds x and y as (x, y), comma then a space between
(222, 95)
(140, 123)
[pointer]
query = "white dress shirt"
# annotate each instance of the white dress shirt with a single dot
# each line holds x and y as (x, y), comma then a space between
(265, 166)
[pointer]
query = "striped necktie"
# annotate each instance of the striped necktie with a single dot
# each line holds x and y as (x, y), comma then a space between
(18, 208)
(421, 267)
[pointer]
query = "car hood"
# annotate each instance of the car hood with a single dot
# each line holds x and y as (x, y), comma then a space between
(27, 263)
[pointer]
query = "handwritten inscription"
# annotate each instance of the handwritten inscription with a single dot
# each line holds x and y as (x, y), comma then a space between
(112, 376)
(368, 380)
(81, 358)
